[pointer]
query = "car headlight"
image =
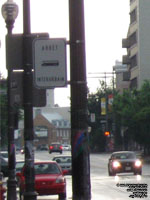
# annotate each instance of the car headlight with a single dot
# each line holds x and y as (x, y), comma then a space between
(60, 180)
(116, 164)
(138, 163)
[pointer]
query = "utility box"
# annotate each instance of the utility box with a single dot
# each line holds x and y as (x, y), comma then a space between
(14, 49)
(38, 95)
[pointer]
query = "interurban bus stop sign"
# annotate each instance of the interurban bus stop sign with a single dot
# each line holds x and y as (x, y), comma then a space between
(49, 60)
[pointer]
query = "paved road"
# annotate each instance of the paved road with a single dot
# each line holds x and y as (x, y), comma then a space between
(103, 186)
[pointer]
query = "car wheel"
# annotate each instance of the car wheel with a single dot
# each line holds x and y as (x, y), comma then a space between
(113, 174)
(62, 196)
(110, 174)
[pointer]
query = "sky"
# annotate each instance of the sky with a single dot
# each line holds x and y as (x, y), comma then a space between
(106, 24)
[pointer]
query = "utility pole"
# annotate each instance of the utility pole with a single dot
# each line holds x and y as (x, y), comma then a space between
(79, 129)
(30, 193)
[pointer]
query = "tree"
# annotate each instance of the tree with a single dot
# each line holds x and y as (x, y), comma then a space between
(97, 137)
(132, 110)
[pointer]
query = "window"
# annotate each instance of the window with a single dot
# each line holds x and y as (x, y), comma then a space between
(133, 16)
(65, 123)
(133, 62)
(57, 133)
(126, 76)
(38, 111)
(60, 133)
(133, 39)
(133, 83)
(60, 123)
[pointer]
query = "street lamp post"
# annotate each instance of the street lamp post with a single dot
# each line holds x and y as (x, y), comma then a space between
(10, 13)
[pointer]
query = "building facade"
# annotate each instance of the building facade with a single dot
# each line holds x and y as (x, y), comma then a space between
(121, 76)
(51, 123)
(137, 43)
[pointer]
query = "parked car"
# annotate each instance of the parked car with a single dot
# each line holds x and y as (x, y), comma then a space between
(66, 147)
(4, 154)
(49, 179)
(65, 161)
(22, 151)
(55, 147)
(124, 162)
(19, 166)
(4, 166)
(42, 147)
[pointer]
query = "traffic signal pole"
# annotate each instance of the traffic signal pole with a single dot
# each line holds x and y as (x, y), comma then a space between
(79, 129)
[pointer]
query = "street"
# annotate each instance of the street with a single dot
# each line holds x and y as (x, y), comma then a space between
(103, 186)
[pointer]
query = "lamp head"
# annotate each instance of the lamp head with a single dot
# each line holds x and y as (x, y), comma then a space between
(9, 12)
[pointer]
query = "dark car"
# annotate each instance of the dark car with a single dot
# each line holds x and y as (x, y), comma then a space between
(42, 147)
(49, 179)
(65, 162)
(124, 162)
(4, 166)
(55, 147)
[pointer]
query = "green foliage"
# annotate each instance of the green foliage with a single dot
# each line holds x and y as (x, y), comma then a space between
(132, 108)
(132, 112)
(97, 138)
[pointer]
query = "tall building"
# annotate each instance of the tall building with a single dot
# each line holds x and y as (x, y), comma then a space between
(138, 43)
(121, 76)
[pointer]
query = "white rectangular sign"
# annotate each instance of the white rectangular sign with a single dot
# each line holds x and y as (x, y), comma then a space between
(49, 62)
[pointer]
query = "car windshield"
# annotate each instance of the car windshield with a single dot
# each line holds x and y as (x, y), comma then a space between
(3, 161)
(63, 159)
(4, 154)
(46, 168)
(124, 156)
(19, 166)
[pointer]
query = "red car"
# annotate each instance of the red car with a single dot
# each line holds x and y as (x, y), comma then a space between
(55, 147)
(49, 179)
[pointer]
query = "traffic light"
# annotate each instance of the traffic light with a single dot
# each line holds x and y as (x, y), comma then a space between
(107, 133)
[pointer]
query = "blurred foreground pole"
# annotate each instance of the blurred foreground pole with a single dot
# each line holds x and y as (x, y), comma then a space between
(79, 129)
(30, 193)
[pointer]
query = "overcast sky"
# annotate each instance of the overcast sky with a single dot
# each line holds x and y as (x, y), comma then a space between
(106, 24)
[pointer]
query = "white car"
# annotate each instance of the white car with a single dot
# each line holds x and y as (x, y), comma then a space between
(65, 162)
(4, 154)
(66, 147)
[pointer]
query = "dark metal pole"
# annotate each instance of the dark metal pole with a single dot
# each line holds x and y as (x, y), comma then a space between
(30, 193)
(11, 183)
(79, 129)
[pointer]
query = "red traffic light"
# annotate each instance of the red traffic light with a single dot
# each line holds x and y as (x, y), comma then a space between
(107, 133)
